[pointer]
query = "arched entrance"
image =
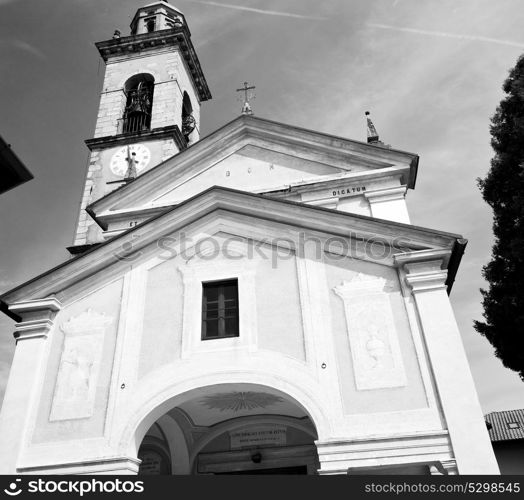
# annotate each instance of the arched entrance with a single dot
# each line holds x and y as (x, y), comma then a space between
(231, 429)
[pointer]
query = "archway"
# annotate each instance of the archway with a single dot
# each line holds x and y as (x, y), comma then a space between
(232, 428)
(139, 91)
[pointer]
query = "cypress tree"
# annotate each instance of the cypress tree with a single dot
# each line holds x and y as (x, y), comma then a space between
(503, 190)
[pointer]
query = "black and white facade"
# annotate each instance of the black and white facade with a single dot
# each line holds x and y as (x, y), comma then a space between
(252, 301)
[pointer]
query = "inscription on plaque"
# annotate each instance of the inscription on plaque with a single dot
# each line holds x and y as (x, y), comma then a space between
(348, 191)
(258, 436)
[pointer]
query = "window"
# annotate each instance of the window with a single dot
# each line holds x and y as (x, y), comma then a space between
(513, 425)
(219, 309)
(150, 25)
(188, 120)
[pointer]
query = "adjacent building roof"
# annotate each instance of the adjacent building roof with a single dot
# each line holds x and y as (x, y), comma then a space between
(12, 171)
(505, 425)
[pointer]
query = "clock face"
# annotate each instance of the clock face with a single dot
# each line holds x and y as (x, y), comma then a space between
(119, 161)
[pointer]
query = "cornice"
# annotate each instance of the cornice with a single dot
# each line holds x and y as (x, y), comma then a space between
(180, 37)
(429, 281)
(109, 464)
(236, 202)
(35, 317)
(425, 270)
(109, 141)
(34, 329)
(47, 304)
(140, 215)
(423, 256)
(324, 183)
(386, 194)
(237, 133)
(319, 184)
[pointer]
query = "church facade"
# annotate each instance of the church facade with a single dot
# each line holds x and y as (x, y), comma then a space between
(255, 301)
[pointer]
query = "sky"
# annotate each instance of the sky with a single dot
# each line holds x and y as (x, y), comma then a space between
(430, 72)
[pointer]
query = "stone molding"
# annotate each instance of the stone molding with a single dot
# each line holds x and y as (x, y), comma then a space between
(387, 194)
(423, 282)
(424, 270)
(32, 329)
(179, 37)
(110, 465)
(343, 457)
(109, 141)
(36, 317)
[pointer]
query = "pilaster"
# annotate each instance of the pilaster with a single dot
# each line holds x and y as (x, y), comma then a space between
(389, 203)
(25, 377)
(424, 276)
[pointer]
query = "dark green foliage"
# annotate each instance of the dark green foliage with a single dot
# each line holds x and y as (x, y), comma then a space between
(503, 190)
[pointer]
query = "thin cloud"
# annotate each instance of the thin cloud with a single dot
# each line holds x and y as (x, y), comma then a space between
(23, 46)
(443, 34)
(260, 11)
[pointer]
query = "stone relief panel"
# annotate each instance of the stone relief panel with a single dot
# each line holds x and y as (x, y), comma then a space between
(79, 366)
(375, 349)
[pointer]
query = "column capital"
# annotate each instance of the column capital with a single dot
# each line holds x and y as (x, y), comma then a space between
(424, 270)
(37, 317)
(386, 194)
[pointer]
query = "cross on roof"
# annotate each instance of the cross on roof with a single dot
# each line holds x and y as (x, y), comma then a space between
(246, 107)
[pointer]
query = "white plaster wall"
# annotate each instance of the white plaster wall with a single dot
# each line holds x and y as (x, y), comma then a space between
(279, 316)
(162, 323)
(410, 396)
(106, 301)
(277, 308)
(241, 172)
(305, 354)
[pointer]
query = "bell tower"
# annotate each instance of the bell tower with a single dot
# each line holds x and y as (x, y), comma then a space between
(149, 106)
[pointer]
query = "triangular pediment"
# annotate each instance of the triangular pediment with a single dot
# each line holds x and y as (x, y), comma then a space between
(252, 168)
(228, 210)
(256, 155)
